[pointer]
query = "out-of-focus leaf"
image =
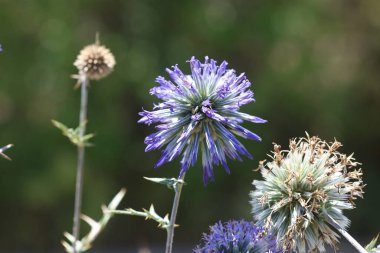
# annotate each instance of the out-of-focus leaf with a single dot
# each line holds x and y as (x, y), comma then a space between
(6, 147)
(96, 227)
(74, 134)
(371, 246)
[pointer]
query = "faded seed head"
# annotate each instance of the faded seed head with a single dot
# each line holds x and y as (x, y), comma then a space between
(302, 188)
(95, 61)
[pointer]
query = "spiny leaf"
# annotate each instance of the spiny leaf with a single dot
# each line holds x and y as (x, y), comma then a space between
(74, 134)
(95, 227)
(171, 183)
(371, 246)
(6, 147)
(147, 214)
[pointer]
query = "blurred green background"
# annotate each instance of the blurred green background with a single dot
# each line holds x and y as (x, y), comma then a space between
(315, 66)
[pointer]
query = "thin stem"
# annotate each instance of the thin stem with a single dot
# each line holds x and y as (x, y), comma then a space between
(349, 238)
(80, 162)
(173, 215)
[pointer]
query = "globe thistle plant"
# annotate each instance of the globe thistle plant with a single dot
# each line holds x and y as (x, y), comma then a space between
(304, 191)
(93, 63)
(200, 111)
(236, 237)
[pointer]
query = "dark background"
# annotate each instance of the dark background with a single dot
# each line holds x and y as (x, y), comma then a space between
(314, 67)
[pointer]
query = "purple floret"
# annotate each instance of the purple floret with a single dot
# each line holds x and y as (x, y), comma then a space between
(237, 237)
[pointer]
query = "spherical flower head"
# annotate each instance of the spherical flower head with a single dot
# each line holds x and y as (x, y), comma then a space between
(304, 189)
(200, 111)
(236, 237)
(95, 61)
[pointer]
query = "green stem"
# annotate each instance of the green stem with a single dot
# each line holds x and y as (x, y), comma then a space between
(173, 215)
(80, 162)
(346, 235)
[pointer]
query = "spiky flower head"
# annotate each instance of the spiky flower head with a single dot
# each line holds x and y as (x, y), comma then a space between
(236, 237)
(200, 110)
(305, 190)
(95, 61)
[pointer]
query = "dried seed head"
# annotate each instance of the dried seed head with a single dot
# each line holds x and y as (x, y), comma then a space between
(303, 188)
(95, 61)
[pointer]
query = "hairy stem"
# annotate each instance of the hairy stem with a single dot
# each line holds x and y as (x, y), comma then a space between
(80, 162)
(346, 235)
(173, 215)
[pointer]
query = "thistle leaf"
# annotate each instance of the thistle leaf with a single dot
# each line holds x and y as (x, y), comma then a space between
(95, 227)
(60, 126)
(117, 199)
(371, 246)
(6, 147)
(171, 183)
(74, 134)
(69, 236)
(150, 214)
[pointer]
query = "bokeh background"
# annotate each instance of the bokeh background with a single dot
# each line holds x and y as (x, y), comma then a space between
(315, 66)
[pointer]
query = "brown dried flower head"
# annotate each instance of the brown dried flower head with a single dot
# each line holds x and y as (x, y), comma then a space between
(95, 61)
(305, 189)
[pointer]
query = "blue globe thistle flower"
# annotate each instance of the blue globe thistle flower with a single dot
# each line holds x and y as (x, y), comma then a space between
(237, 237)
(200, 110)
